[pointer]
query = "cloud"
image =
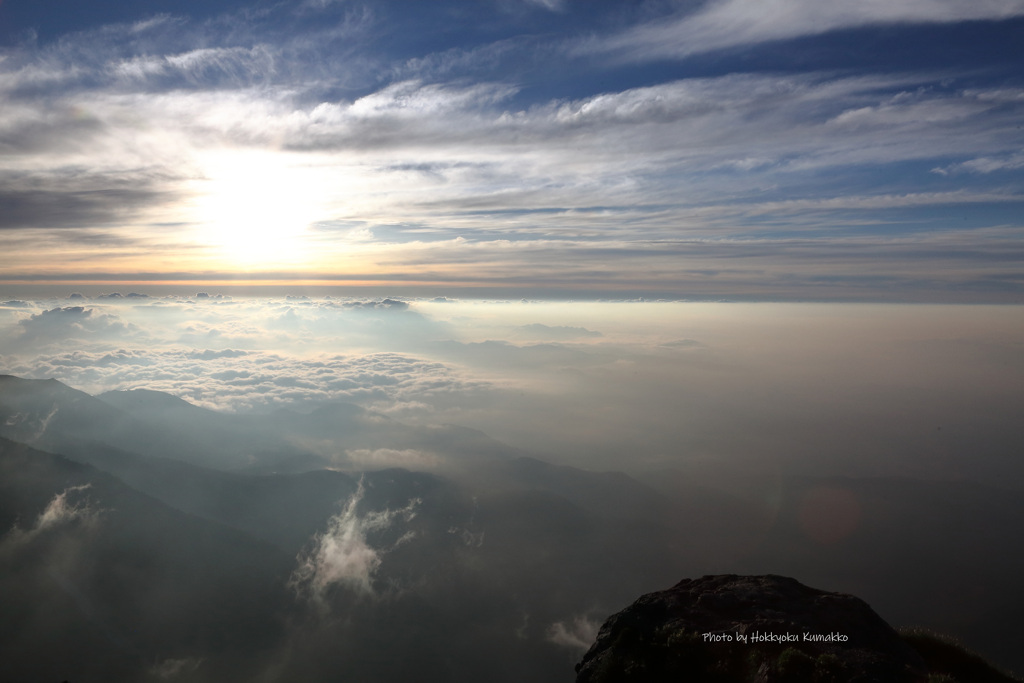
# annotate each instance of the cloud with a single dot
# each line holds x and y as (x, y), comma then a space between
(683, 344)
(397, 116)
(169, 669)
(238, 381)
(984, 165)
(342, 555)
(579, 633)
(384, 304)
(215, 352)
(65, 508)
(209, 67)
(469, 538)
(445, 178)
(723, 24)
(30, 427)
(541, 331)
(382, 458)
(125, 140)
(71, 208)
(60, 511)
(72, 322)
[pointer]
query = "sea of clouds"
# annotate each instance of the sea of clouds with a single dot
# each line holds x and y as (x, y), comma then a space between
(616, 385)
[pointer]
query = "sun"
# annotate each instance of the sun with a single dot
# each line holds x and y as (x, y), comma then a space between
(255, 207)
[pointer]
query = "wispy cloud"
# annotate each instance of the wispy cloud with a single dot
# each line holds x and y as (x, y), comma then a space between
(723, 24)
(60, 510)
(984, 165)
(70, 506)
(343, 555)
(577, 633)
(178, 148)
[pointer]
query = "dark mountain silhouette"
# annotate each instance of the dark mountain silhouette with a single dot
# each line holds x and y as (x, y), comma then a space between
(464, 583)
(476, 574)
(56, 417)
(101, 582)
(754, 629)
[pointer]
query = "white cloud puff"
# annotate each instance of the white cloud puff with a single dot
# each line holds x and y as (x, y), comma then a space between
(71, 322)
(60, 511)
(577, 633)
(67, 507)
(342, 555)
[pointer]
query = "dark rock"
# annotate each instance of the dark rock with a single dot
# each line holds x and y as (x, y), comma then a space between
(710, 630)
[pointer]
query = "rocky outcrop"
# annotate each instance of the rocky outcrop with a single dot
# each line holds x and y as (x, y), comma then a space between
(752, 629)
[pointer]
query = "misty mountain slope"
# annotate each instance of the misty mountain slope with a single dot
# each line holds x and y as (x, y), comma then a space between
(283, 509)
(286, 509)
(349, 436)
(206, 437)
(467, 454)
(86, 553)
(467, 588)
(468, 583)
(939, 554)
(36, 410)
(464, 578)
(612, 494)
(147, 403)
(513, 529)
(55, 416)
(324, 436)
(703, 526)
(490, 566)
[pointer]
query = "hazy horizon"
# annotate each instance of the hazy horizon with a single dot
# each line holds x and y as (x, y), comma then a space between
(824, 388)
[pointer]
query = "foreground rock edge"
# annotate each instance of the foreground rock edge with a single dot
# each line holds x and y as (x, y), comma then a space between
(766, 629)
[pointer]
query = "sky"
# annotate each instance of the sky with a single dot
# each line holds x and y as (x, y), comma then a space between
(781, 150)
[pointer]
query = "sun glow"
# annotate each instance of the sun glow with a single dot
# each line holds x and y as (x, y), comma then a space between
(255, 207)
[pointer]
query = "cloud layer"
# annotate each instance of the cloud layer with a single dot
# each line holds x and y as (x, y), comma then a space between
(715, 386)
(272, 147)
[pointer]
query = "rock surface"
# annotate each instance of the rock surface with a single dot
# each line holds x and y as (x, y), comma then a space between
(713, 630)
